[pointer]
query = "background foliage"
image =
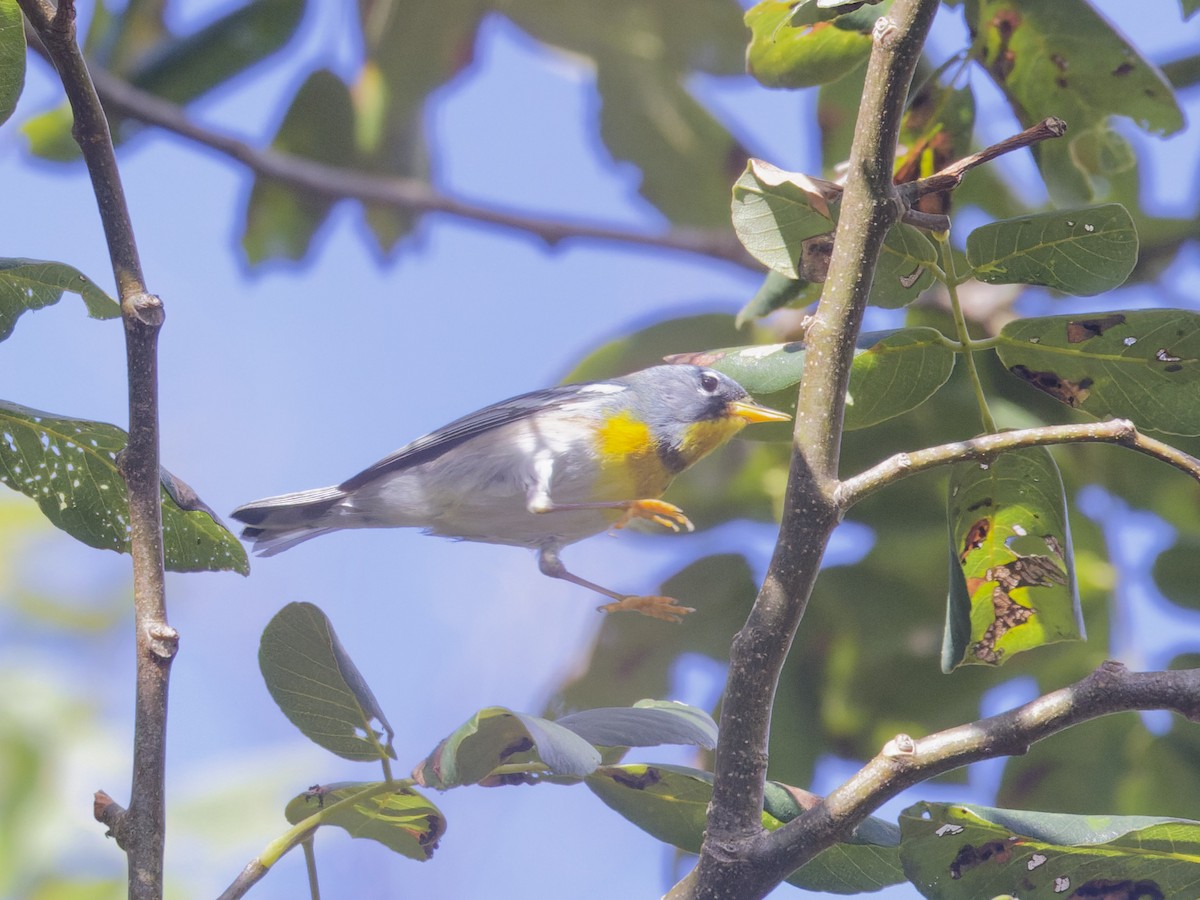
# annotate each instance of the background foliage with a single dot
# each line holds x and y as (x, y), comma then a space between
(320, 365)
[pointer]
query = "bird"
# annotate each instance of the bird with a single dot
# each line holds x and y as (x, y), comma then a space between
(541, 470)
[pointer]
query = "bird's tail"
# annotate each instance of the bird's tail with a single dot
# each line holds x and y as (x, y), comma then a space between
(275, 524)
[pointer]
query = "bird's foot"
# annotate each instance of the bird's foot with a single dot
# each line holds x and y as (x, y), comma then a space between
(668, 515)
(665, 608)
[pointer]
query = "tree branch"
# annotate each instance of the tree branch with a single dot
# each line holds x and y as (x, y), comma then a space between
(140, 829)
(734, 841)
(905, 761)
(409, 194)
(1113, 431)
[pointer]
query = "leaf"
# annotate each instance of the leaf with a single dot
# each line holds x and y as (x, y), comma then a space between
(1139, 364)
(935, 130)
(495, 737)
(671, 803)
(282, 219)
(787, 53)
(960, 851)
(685, 155)
(69, 466)
(776, 212)
(412, 48)
(903, 272)
(892, 372)
(27, 284)
(776, 292)
(648, 723)
(318, 687)
(1012, 568)
(1061, 58)
(12, 57)
(178, 69)
(402, 820)
(1081, 251)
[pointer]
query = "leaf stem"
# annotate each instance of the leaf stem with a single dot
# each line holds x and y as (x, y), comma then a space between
(310, 864)
(964, 335)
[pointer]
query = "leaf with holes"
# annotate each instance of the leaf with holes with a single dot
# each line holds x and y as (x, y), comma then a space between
(1142, 365)
(318, 687)
(776, 214)
(69, 466)
(904, 269)
(28, 284)
(955, 851)
(1081, 251)
(671, 803)
(795, 45)
(1062, 58)
(400, 819)
(1012, 569)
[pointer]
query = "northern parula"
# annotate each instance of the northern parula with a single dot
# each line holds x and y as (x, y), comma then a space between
(541, 470)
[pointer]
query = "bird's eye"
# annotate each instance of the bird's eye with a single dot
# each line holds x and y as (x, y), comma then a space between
(709, 382)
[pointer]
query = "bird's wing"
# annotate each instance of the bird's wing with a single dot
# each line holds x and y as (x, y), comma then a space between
(479, 422)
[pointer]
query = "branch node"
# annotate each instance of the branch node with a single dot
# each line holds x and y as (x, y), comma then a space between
(899, 746)
(109, 813)
(146, 309)
(884, 32)
(164, 640)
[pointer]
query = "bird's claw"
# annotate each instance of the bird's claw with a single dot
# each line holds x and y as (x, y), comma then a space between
(665, 608)
(668, 515)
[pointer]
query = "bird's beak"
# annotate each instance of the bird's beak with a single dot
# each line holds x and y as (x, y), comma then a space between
(752, 412)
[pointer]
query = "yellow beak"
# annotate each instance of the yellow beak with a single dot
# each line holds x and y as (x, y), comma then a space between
(752, 412)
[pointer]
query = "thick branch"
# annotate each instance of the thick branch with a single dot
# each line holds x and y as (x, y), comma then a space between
(905, 761)
(729, 860)
(1114, 431)
(140, 829)
(409, 194)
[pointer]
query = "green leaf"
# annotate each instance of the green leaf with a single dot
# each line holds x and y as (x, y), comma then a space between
(1139, 364)
(1012, 567)
(1061, 58)
(182, 69)
(318, 687)
(402, 820)
(1081, 251)
(966, 851)
(1189, 7)
(69, 466)
(282, 219)
(893, 372)
(1175, 573)
(790, 49)
(776, 213)
(648, 723)
(776, 292)
(685, 155)
(178, 69)
(12, 57)
(903, 272)
(671, 803)
(27, 284)
(496, 737)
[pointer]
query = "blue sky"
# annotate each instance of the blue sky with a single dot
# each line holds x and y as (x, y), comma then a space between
(293, 377)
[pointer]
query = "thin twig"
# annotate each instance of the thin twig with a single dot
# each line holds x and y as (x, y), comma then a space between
(140, 830)
(1112, 431)
(951, 177)
(408, 194)
(906, 761)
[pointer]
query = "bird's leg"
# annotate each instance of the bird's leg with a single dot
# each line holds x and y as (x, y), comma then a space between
(668, 515)
(664, 608)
